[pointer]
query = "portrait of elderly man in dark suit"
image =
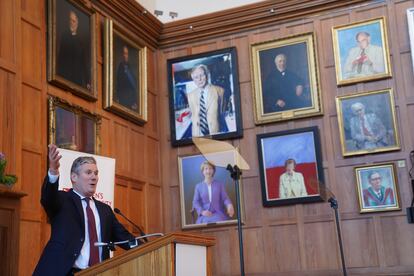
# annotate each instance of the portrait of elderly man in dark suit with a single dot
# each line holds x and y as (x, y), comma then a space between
(74, 46)
(283, 88)
(126, 92)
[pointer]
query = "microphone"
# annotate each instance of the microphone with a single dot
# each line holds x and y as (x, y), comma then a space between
(112, 244)
(116, 210)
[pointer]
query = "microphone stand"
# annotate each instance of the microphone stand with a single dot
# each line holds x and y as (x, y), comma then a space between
(235, 173)
(334, 205)
(133, 224)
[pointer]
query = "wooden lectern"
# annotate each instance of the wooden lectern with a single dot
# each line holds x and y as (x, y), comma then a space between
(176, 254)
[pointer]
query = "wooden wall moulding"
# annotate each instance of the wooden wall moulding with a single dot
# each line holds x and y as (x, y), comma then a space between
(243, 18)
(131, 15)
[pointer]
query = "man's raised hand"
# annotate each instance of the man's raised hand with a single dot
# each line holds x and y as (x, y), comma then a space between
(54, 159)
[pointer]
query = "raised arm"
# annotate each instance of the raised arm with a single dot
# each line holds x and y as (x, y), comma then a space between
(49, 197)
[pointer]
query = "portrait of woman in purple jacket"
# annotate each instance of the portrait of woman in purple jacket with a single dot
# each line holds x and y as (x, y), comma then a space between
(210, 200)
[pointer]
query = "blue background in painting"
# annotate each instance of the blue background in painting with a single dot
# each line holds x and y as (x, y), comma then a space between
(346, 38)
(300, 146)
(192, 173)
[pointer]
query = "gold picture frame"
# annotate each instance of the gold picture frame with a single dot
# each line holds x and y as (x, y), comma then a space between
(125, 91)
(72, 127)
(367, 60)
(377, 188)
(289, 91)
(191, 182)
(367, 122)
(72, 48)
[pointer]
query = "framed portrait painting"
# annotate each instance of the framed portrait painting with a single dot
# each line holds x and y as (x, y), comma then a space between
(290, 167)
(71, 48)
(125, 91)
(72, 127)
(207, 193)
(285, 79)
(361, 51)
(367, 122)
(204, 96)
(377, 188)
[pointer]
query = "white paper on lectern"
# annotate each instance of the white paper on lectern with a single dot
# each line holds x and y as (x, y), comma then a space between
(220, 153)
(106, 168)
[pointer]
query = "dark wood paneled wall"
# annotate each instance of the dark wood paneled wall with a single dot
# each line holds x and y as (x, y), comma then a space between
(301, 239)
(23, 122)
(284, 240)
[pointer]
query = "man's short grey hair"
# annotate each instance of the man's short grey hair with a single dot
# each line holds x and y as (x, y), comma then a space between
(202, 66)
(361, 33)
(80, 161)
(281, 55)
(356, 106)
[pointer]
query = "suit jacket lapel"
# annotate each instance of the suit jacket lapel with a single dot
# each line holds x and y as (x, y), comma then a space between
(78, 204)
(212, 97)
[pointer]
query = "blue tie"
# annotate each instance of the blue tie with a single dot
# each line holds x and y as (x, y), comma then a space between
(203, 115)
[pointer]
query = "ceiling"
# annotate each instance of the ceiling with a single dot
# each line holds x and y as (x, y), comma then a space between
(190, 8)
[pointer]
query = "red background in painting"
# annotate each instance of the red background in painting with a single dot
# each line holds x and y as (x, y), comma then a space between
(308, 170)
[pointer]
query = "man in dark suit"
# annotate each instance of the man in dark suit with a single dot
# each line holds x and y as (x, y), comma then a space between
(126, 84)
(283, 89)
(73, 56)
(77, 220)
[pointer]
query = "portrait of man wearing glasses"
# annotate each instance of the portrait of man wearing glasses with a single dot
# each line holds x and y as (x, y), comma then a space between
(377, 194)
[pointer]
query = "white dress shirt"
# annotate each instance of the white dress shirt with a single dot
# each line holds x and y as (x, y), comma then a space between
(83, 258)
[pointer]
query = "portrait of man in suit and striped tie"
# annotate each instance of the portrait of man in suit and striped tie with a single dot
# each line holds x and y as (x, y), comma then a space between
(204, 96)
(205, 102)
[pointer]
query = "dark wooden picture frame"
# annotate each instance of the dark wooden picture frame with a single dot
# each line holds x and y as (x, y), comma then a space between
(72, 48)
(217, 72)
(297, 149)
